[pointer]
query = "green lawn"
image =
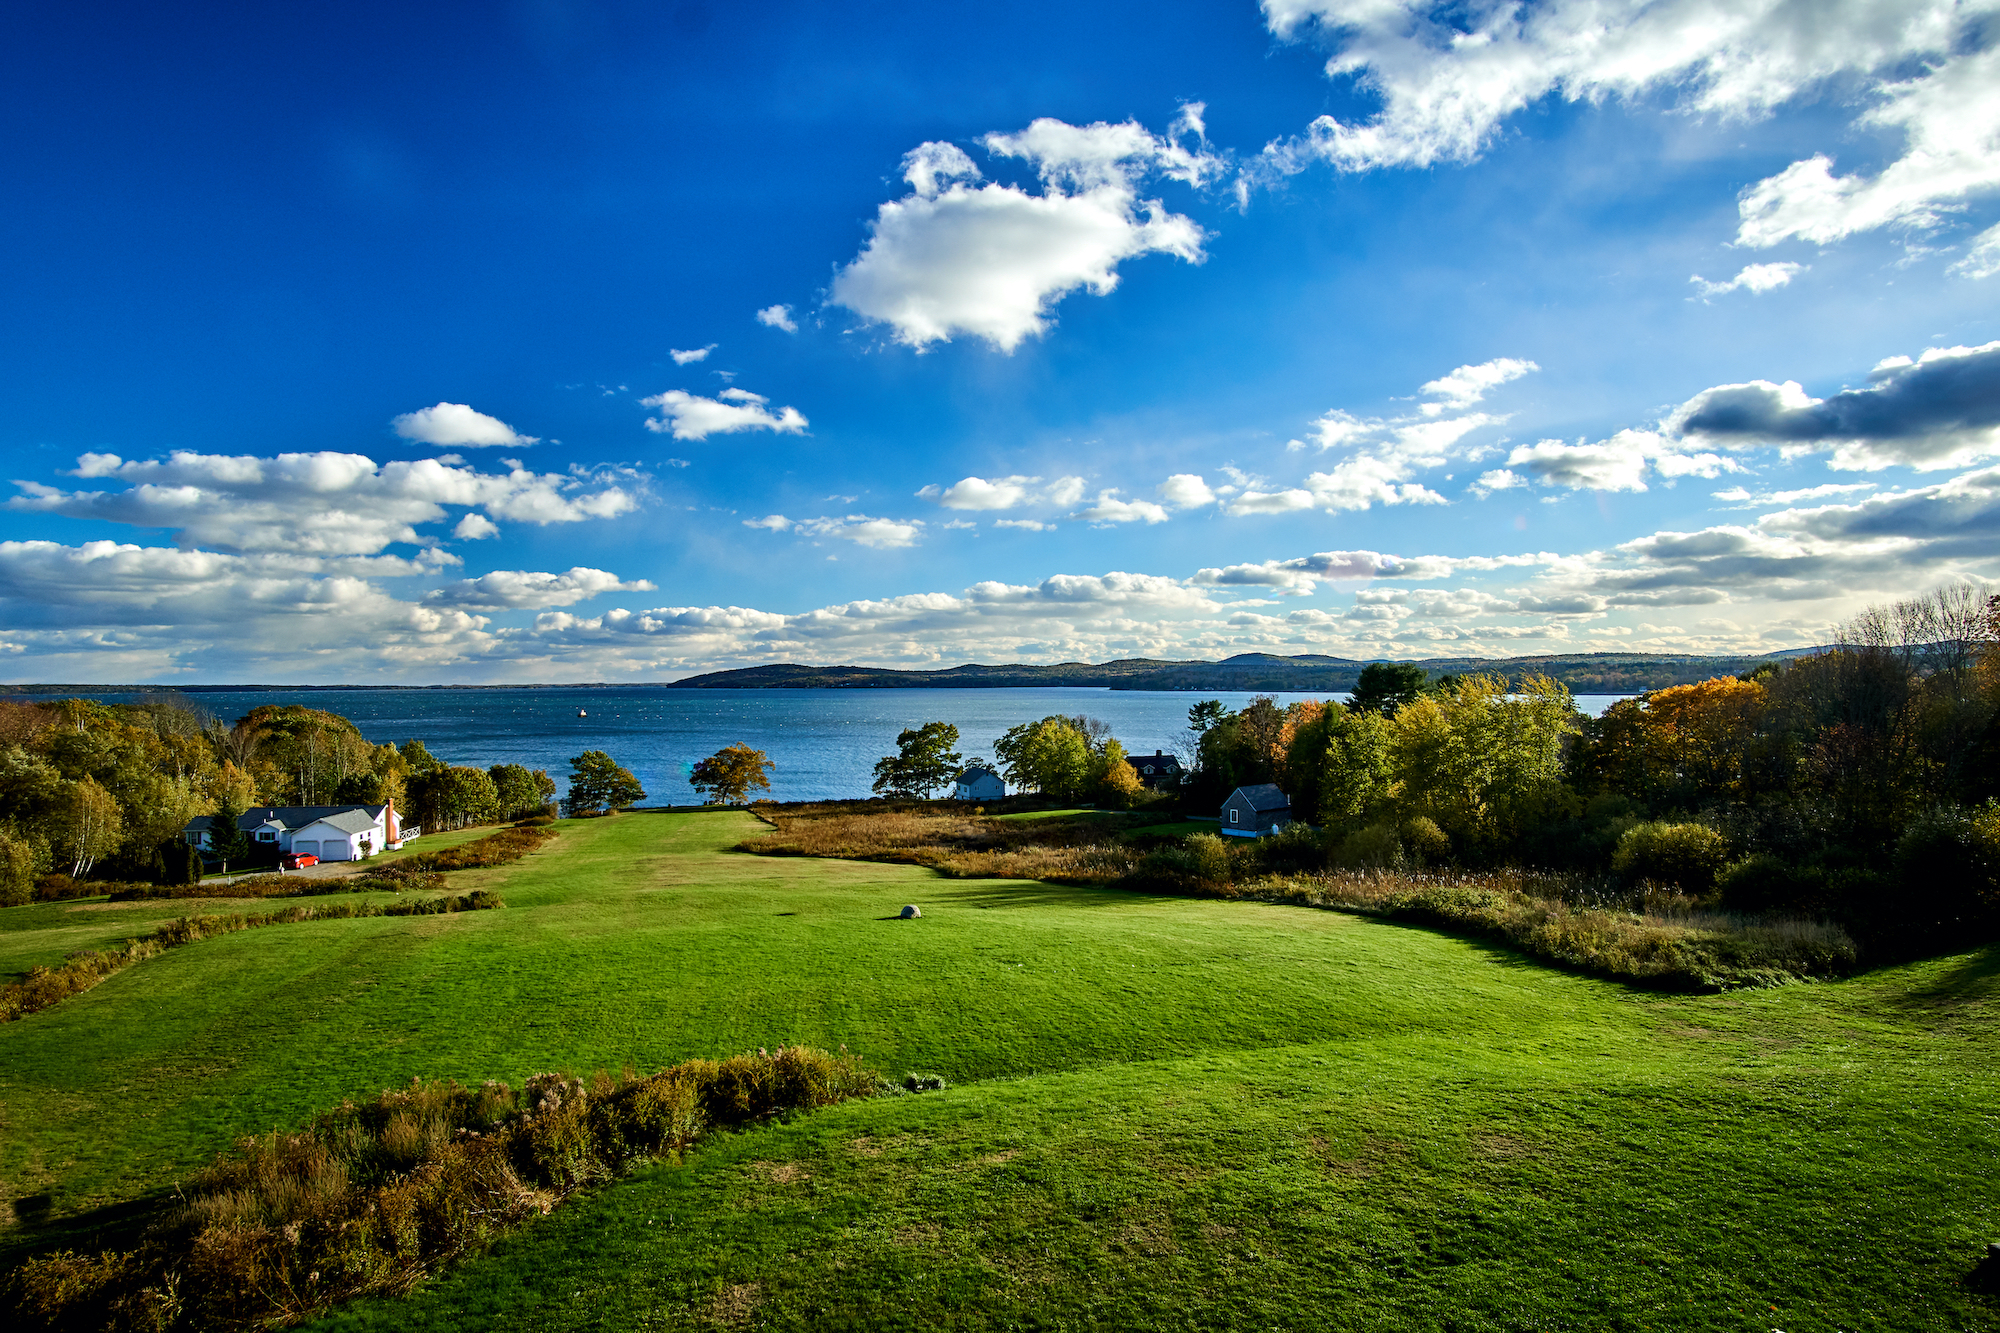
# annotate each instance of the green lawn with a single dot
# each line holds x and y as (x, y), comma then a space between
(1164, 1113)
(45, 933)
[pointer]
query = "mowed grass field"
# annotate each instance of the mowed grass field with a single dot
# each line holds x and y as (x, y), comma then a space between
(1164, 1114)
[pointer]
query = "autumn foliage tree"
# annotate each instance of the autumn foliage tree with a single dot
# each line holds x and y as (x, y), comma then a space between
(730, 774)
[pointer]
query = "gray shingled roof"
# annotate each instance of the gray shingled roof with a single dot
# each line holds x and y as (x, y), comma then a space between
(348, 821)
(1263, 796)
(287, 817)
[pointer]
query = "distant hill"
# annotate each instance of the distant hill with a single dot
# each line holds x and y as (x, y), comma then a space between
(1584, 673)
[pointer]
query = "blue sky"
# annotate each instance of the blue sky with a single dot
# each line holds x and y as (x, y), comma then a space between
(596, 341)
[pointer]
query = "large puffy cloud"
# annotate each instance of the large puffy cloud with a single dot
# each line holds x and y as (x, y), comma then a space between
(318, 503)
(956, 256)
(513, 589)
(1449, 74)
(1185, 490)
(688, 416)
(1385, 456)
(1949, 116)
(1939, 410)
(455, 425)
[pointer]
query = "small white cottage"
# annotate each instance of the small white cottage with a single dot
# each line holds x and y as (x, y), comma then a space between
(978, 783)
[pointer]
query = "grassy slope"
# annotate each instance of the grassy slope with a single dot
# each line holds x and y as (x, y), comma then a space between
(1190, 1114)
(43, 934)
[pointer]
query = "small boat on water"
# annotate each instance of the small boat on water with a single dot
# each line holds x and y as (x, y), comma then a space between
(581, 713)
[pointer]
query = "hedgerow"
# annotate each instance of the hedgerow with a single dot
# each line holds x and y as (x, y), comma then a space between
(45, 986)
(370, 1198)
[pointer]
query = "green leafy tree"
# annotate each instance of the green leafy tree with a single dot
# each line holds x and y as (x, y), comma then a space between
(1052, 756)
(17, 868)
(1383, 687)
(925, 759)
(598, 783)
(730, 774)
(419, 759)
(1114, 782)
(518, 793)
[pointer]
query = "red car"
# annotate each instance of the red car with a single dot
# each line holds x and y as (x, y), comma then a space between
(298, 861)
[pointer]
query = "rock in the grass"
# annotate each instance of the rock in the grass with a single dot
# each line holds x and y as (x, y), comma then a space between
(911, 911)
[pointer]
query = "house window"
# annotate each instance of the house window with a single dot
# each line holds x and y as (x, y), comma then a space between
(194, 839)
(1232, 816)
(1149, 768)
(265, 835)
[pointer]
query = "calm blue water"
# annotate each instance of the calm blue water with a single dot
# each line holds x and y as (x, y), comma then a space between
(824, 742)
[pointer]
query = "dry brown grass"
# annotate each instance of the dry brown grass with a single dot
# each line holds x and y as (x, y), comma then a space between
(370, 1198)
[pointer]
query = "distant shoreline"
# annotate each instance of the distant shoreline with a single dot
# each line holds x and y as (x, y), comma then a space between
(1583, 673)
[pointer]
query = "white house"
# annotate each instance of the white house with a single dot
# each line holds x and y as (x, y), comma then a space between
(330, 832)
(978, 783)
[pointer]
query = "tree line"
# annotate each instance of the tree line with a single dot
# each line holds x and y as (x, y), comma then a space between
(91, 789)
(1859, 784)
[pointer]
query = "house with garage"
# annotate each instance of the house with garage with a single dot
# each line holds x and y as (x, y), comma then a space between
(330, 832)
(1158, 771)
(1251, 812)
(978, 783)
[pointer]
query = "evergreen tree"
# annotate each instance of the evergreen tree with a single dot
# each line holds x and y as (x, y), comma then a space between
(1384, 687)
(226, 841)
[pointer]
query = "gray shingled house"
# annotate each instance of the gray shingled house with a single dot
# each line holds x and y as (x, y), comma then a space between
(1251, 812)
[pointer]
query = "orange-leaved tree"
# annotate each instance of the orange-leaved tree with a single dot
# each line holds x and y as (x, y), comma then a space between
(730, 774)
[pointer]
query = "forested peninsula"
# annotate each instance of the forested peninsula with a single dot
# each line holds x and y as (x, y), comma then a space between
(1583, 673)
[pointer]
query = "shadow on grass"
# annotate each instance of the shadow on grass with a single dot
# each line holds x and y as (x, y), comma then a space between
(113, 1226)
(1974, 977)
(1005, 893)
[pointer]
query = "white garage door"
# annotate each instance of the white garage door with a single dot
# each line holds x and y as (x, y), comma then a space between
(306, 848)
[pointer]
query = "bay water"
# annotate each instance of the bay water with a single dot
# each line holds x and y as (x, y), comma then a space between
(823, 743)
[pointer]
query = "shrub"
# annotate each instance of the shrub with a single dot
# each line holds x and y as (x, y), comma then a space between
(1767, 883)
(1424, 842)
(1208, 858)
(542, 820)
(1688, 856)
(1948, 870)
(1375, 847)
(369, 1198)
(1296, 847)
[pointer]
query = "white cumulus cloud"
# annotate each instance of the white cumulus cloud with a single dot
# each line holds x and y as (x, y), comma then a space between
(1468, 384)
(778, 317)
(1110, 509)
(1753, 278)
(954, 256)
(1185, 490)
(688, 416)
(456, 425)
(690, 355)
